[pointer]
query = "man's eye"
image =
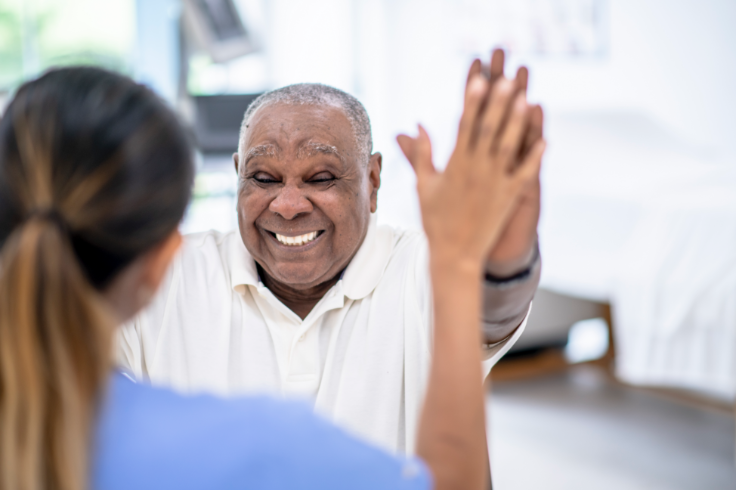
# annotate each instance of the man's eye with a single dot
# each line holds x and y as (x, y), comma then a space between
(322, 177)
(264, 179)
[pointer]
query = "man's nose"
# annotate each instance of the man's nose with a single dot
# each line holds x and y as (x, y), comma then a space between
(290, 203)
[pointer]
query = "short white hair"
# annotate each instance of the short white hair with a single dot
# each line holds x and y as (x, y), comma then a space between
(319, 95)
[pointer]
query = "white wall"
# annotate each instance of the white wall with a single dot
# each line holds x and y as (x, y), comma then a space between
(671, 61)
(311, 42)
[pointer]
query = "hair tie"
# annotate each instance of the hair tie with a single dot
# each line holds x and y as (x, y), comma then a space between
(99, 264)
(49, 214)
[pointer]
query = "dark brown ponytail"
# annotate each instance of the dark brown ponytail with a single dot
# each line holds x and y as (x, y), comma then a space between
(94, 171)
(54, 343)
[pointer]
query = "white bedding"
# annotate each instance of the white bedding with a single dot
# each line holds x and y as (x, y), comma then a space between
(633, 216)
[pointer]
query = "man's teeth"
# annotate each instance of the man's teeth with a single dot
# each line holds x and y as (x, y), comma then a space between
(296, 241)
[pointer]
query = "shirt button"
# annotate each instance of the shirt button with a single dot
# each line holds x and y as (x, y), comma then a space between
(301, 338)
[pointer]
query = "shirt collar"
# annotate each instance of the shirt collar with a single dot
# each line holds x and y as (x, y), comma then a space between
(364, 272)
(243, 270)
(360, 278)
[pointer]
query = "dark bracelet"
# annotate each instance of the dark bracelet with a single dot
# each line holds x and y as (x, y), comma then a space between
(489, 345)
(519, 276)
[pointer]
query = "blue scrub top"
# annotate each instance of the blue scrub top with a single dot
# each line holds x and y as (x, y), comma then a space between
(152, 438)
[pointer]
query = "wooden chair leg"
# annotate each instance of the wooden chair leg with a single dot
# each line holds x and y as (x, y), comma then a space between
(609, 358)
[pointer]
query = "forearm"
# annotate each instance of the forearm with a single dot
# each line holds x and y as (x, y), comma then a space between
(506, 299)
(465, 210)
(451, 437)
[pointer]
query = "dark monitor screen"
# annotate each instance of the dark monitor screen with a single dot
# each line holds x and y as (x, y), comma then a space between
(218, 119)
(222, 19)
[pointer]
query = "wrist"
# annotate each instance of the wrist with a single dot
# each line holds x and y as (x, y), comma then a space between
(512, 267)
(455, 268)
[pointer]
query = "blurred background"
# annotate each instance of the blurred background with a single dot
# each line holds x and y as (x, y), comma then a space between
(626, 376)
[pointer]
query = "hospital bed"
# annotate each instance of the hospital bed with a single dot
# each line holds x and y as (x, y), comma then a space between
(635, 218)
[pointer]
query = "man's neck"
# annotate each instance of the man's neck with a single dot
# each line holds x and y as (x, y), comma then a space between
(300, 301)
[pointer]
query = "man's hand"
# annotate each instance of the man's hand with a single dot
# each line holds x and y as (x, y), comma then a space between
(516, 245)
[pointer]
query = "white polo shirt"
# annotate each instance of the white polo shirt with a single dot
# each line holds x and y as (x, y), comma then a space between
(362, 354)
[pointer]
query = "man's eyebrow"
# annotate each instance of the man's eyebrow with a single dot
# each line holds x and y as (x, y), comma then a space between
(311, 149)
(267, 150)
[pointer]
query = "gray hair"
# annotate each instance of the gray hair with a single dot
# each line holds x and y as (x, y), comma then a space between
(319, 95)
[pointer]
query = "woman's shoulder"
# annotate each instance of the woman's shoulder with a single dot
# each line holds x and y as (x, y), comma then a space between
(153, 438)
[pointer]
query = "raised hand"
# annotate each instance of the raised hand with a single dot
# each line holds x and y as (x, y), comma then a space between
(516, 244)
(465, 209)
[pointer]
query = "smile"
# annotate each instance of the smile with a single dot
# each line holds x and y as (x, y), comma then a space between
(297, 241)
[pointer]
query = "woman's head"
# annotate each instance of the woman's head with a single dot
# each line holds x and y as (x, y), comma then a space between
(95, 175)
(99, 155)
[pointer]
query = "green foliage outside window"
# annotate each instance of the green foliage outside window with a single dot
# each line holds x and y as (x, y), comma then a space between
(38, 34)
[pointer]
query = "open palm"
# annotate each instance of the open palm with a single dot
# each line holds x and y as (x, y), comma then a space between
(465, 208)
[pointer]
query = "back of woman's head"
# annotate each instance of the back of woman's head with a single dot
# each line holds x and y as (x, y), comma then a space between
(94, 171)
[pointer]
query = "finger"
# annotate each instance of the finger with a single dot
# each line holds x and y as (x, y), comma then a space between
(423, 152)
(418, 151)
(538, 119)
(495, 113)
(513, 134)
(498, 59)
(528, 171)
(407, 144)
(522, 78)
(535, 130)
(475, 70)
(475, 96)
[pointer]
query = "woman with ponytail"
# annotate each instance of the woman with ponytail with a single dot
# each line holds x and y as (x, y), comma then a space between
(94, 171)
(95, 176)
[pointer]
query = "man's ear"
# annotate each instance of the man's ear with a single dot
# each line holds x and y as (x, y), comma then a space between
(236, 161)
(158, 260)
(374, 176)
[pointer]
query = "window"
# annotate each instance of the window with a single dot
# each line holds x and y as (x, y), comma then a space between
(38, 34)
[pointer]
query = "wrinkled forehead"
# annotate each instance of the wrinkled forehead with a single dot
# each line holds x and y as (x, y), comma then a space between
(299, 129)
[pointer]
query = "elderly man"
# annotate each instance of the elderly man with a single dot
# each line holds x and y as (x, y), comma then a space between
(312, 298)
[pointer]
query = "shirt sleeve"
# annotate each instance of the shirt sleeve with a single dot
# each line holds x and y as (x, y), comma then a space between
(492, 353)
(506, 303)
(151, 438)
(338, 460)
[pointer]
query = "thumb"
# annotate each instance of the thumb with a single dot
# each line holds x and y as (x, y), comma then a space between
(528, 172)
(418, 151)
(407, 145)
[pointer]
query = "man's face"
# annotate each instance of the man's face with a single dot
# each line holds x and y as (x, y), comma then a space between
(304, 195)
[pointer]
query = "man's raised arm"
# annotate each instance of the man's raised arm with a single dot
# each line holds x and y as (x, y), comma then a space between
(507, 297)
(513, 267)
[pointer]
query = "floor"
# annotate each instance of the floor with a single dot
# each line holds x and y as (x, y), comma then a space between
(578, 429)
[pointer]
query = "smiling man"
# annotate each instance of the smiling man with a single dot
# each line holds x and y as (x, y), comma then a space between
(307, 187)
(312, 298)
